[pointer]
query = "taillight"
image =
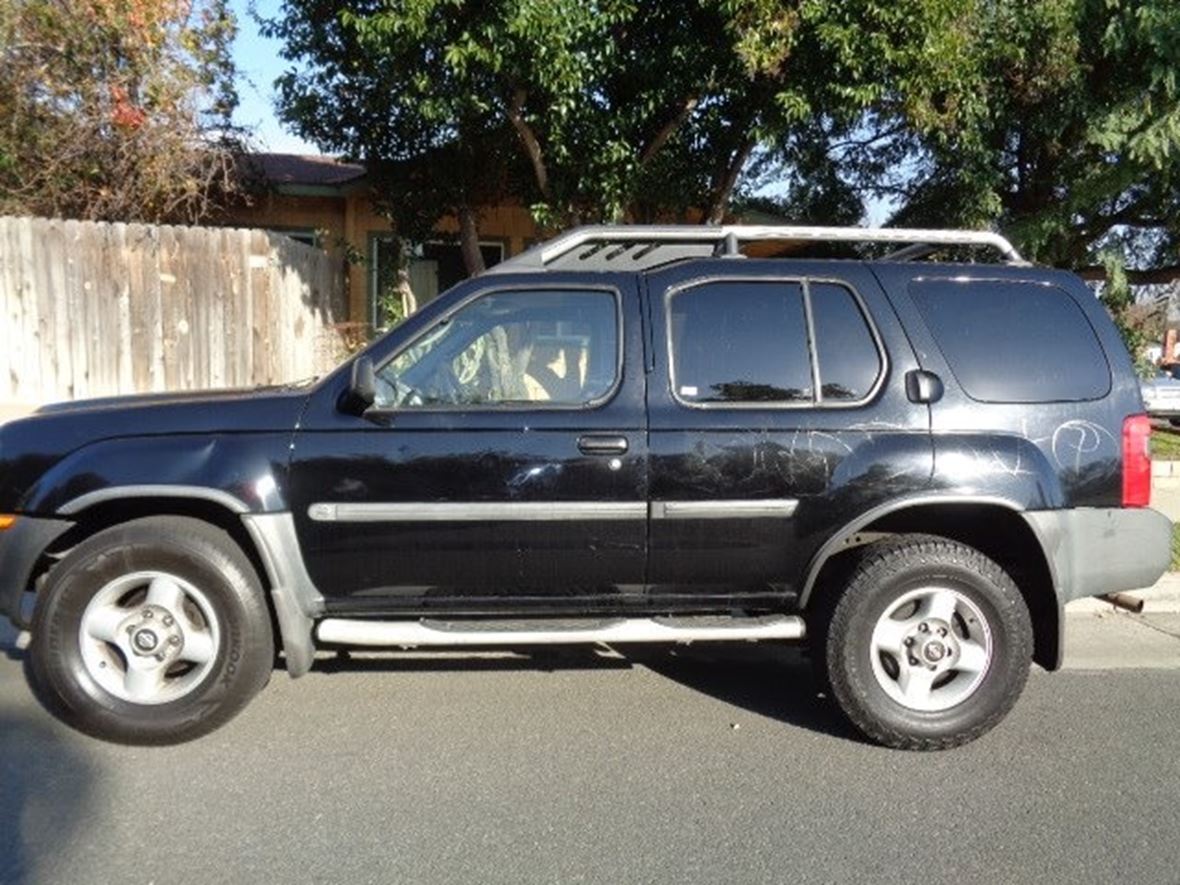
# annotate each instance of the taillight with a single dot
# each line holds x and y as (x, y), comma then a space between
(1137, 461)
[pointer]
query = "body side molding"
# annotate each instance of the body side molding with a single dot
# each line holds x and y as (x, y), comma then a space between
(751, 509)
(524, 511)
(476, 511)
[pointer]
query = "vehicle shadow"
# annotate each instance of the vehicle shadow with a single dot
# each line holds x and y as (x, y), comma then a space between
(45, 794)
(766, 679)
(46, 787)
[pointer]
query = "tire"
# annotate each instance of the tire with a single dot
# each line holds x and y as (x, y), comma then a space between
(929, 645)
(155, 631)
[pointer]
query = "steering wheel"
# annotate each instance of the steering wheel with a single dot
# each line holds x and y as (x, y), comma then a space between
(445, 386)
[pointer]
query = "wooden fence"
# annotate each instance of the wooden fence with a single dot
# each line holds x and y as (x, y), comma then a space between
(93, 309)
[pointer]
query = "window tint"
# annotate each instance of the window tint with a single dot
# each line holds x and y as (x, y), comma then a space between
(735, 342)
(534, 347)
(848, 359)
(1014, 342)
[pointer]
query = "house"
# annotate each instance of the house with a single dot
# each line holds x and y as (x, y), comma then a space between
(326, 202)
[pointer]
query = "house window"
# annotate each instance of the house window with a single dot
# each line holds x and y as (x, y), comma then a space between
(305, 235)
(434, 267)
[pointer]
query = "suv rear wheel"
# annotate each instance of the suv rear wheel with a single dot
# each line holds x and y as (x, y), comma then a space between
(929, 645)
(155, 631)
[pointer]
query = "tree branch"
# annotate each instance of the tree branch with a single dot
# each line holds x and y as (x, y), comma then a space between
(668, 129)
(469, 241)
(528, 138)
(722, 189)
(866, 142)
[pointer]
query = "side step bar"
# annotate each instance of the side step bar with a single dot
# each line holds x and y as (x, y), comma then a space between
(409, 634)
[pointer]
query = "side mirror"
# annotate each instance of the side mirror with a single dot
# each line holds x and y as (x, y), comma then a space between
(362, 388)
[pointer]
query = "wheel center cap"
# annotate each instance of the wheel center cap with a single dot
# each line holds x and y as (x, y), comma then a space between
(934, 651)
(146, 640)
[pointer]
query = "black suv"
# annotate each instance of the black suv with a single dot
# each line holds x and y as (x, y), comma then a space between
(626, 434)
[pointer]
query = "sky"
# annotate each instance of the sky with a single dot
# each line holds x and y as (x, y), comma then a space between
(258, 62)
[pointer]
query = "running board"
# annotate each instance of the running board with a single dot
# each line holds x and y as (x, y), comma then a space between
(408, 634)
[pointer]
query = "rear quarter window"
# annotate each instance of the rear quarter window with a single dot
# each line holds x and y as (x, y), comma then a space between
(1014, 342)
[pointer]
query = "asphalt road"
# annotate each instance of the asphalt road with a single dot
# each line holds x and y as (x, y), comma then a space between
(701, 765)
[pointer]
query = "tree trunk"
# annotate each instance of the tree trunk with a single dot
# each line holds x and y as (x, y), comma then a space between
(469, 241)
(724, 185)
(530, 143)
(404, 288)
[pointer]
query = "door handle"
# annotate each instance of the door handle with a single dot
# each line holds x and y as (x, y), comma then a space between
(602, 445)
(922, 386)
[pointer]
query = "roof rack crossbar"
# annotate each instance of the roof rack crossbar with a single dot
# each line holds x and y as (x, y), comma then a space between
(662, 244)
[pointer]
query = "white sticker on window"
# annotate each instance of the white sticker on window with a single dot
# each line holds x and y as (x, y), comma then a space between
(688, 390)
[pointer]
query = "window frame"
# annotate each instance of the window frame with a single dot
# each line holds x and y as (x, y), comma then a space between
(540, 405)
(804, 282)
(296, 231)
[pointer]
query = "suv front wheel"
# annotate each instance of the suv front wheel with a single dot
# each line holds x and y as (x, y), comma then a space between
(929, 645)
(155, 631)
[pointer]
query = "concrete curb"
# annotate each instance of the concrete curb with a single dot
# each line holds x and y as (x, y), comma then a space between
(1165, 474)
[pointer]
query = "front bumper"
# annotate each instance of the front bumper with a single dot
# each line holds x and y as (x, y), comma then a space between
(1092, 551)
(20, 548)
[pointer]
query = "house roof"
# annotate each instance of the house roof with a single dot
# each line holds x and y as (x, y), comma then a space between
(295, 173)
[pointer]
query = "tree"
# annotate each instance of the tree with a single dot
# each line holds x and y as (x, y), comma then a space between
(586, 112)
(605, 111)
(116, 109)
(1061, 125)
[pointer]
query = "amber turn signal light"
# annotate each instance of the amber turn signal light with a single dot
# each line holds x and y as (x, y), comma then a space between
(7, 520)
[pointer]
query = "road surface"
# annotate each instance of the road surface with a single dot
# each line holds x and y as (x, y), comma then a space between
(707, 764)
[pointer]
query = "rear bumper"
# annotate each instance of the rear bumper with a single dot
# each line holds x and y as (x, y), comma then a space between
(1092, 551)
(20, 548)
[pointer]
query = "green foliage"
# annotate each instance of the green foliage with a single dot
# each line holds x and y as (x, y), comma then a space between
(1059, 122)
(613, 110)
(1165, 446)
(1117, 298)
(115, 109)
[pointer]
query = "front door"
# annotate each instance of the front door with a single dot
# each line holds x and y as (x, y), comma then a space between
(503, 466)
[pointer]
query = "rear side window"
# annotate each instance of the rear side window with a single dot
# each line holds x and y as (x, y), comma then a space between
(1014, 342)
(848, 359)
(747, 341)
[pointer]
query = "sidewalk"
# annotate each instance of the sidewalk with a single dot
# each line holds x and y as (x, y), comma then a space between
(1161, 597)
(1119, 640)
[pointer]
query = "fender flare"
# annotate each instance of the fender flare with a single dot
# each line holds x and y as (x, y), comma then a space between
(153, 490)
(840, 537)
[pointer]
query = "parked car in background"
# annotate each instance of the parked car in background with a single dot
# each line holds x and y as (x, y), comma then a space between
(1161, 393)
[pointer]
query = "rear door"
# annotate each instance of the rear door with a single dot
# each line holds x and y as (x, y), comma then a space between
(503, 467)
(776, 414)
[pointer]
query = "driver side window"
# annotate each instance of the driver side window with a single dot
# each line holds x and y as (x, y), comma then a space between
(533, 347)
